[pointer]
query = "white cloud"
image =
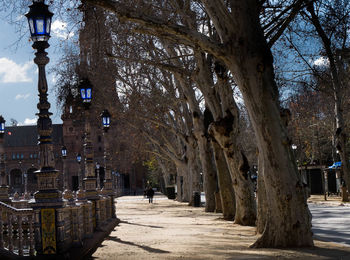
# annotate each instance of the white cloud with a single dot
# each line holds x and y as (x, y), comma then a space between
(59, 28)
(11, 72)
(22, 96)
(54, 79)
(29, 121)
(321, 62)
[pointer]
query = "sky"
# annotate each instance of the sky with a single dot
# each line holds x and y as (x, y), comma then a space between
(19, 74)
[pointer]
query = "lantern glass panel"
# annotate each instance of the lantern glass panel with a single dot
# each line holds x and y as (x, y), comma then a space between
(31, 26)
(48, 25)
(2, 128)
(82, 93)
(105, 121)
(78, 158)
(40, 25)
(88, 93)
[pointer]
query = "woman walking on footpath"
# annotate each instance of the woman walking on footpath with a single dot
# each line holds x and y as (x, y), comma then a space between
(150, 194)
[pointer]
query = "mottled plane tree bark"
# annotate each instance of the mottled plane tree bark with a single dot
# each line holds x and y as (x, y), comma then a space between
(245, 51)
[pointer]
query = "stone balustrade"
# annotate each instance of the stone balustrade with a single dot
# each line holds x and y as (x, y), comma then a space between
(20, 230)
(17, 230)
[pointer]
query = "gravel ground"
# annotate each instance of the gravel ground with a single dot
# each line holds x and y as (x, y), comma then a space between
(168, 229)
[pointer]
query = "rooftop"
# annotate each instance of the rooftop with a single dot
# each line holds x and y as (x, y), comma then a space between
(17, 136)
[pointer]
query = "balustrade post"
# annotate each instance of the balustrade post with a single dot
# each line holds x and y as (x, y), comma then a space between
(20, 235)
(10, 230)
(31, 234)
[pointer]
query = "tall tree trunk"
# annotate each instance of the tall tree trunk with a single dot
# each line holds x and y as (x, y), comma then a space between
(182, 183)
(209, 173)
(250, 60)
(261, 197)
(193, 171)
(239, 170)
(227, 193)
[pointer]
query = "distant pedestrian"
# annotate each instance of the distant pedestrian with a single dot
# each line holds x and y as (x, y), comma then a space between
(150, 194)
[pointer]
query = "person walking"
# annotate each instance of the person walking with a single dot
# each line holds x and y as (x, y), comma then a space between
(150, 194)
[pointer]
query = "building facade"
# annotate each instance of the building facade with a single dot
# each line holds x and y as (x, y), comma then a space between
(22, 156)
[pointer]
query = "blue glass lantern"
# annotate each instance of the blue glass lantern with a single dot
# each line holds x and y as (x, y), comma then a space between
(39, 20)
(78, 158)
(106, 119)
(64, 152)
(2, 125)
(85, 89)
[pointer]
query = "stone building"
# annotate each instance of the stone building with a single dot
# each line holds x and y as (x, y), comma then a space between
(22, 154)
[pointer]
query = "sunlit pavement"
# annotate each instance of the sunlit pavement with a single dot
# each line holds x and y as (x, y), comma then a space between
(330, 222)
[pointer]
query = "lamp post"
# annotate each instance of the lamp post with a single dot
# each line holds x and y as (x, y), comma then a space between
(39, 19)
(67, 193)
(85, 90)
(4, 196)
(107, 183)
(98, 176)
(65, 177)
(294, 148)
(106, 121)
(80, 179)
(48, 198)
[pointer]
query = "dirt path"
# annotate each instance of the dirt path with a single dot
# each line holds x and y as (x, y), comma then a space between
(171, 230)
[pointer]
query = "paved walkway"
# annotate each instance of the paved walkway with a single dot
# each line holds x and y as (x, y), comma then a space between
(330, 219)
(168, 229)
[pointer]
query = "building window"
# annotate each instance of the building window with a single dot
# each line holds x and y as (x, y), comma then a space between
(18, 156)
(30, 156)
(22, 156)
(35, 155)
(18, 180)
(13, 156)
(99, 138)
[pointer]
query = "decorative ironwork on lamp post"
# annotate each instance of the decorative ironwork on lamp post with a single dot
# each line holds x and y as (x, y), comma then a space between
(85, 89)
(98, 179)
(107, 184)
(67, 193)
(48, 199)
(65, 177)
(106, 121)
(80, 177)
(39, 19)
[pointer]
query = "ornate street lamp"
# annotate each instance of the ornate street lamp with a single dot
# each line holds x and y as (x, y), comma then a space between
(106, 119)
(79, 158)
(64, 152)
(39, 19)
(85, 90)
(2, 126)
(107, 183)
(48, 198)
(65, 177)
(80, 178)
(98, 176)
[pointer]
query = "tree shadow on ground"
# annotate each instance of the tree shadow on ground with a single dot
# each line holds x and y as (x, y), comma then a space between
(135, 224)
(147, 248)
